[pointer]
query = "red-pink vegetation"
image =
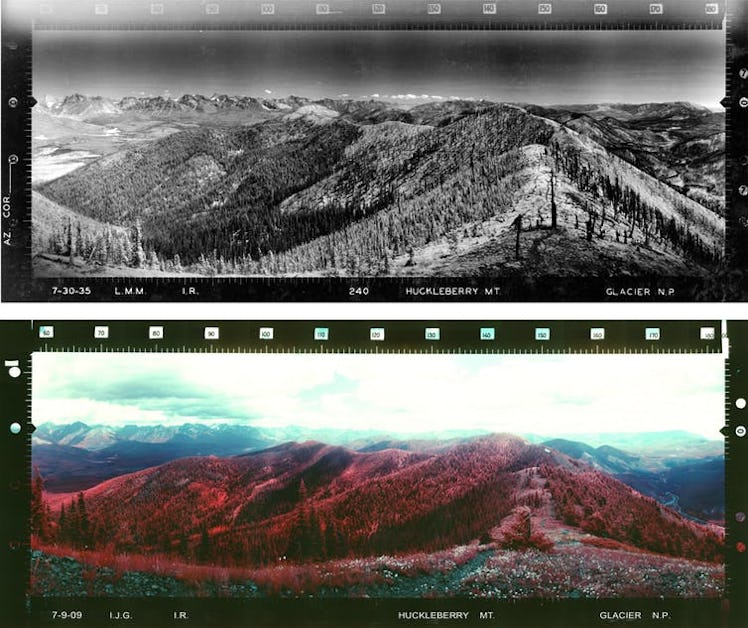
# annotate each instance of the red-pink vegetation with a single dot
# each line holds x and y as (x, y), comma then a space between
(596, 541)
(308, 503)
(304, 516)
(605, 507)
(284, 577)
(517, 531)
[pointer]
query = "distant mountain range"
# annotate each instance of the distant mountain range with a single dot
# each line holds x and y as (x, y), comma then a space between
(691, 483)
(214, 438)
(680, 469)
(369, 110)
(293, 186)
(96, 108)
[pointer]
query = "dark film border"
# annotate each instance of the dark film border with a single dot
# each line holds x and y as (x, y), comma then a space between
(736, 454)
(722, 286)
(20, 338)
(15, 165)
(368, 14)
(15, 462)
(736, 146)
(728, 284)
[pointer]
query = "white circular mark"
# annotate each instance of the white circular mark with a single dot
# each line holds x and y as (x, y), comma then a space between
(14, 371)
(740, 431)
(15, 428)
(740, 403)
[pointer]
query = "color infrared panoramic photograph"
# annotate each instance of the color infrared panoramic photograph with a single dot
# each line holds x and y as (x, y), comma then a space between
(387, 476)
(378, 154)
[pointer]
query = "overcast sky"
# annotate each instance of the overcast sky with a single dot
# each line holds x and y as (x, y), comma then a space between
(396, 394)
(542, 67)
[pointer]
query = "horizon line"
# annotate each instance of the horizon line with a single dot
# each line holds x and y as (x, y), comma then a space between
(464, 432)
(377, 98)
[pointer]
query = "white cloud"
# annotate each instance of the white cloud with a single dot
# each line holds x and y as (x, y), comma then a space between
(411, 97)
(95, 412)
(268, 91)
(393, 393)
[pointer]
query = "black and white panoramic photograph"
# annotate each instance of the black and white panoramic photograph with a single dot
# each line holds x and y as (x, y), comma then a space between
(378, 154)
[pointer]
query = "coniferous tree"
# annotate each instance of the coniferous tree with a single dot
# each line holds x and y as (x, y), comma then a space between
(78, 238)
(554, 209)
(518, 226)
(70, 243)
(139, 253)
(73, 524)
(39, 514)
(204, 548)
(184, 547)
(83, 531)
(62, 526)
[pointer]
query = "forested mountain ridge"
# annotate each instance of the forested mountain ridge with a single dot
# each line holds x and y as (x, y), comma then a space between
(310, 501)
(678, 143)
(679, 469)
(369, 188)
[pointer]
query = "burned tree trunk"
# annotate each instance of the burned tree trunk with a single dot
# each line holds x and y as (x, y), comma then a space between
(518, 224)
(554, 209)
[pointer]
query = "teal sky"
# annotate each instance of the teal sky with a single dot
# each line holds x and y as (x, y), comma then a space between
(395, 394)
